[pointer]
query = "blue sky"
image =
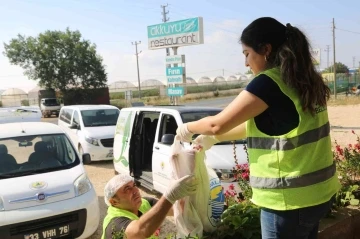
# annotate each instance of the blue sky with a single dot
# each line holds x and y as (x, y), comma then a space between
(113, 24)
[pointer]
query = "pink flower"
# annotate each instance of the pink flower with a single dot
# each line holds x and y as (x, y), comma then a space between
(231, 187)
(157, 232)
(339, 150)
(245, 176)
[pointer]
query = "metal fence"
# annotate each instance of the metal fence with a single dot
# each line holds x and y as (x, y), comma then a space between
(344, 82)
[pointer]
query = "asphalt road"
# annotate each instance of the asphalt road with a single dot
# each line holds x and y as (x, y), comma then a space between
(216, 102)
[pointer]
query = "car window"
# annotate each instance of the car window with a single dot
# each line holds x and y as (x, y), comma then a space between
(65, 115)
(50, 102)
(35, 154)
(76, 119)
(196, 115)
(168, 125)
(99, 117)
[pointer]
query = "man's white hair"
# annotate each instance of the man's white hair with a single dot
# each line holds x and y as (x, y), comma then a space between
(114, 185)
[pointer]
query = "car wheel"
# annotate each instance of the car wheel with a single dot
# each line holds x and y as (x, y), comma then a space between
(81, 151)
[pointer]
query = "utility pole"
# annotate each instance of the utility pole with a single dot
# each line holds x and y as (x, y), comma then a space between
(165, 19)
(137, 63)
(333, 30)
(328, 53)
(354, 61)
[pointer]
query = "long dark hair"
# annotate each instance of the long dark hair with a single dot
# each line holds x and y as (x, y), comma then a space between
(291, 52)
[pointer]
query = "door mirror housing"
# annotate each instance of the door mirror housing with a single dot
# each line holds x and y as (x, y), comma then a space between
(168, 139)
(75, 126)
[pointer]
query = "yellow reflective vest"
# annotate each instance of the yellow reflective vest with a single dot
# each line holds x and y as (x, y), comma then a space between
(293, 170)
(114, 212)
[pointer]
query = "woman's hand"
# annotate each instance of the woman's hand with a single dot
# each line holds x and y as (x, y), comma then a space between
(206, 141)
(184, 134)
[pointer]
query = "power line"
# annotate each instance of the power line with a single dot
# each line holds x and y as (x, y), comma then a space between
(137, 64)
(348, 31)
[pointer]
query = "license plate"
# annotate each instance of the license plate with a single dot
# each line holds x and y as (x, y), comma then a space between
(57, 232)
(110, 154)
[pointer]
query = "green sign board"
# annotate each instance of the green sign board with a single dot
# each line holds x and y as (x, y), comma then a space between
(175, 91)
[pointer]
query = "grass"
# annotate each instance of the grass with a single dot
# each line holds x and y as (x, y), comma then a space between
(343, 100)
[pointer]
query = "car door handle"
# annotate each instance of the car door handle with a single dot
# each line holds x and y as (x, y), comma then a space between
(157, 147)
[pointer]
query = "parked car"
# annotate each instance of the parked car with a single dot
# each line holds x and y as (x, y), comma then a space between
(143, 139)
(45, 192)
(91, 128)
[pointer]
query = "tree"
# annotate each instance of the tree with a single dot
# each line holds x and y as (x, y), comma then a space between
(340, 68)
(249, 72)
(59, 60)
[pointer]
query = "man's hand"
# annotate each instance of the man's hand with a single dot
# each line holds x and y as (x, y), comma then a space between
(180, 188)
(184, 134)
(206, 141)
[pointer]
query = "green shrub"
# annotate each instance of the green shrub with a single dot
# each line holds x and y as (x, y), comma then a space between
(25, 103)
(135, 94)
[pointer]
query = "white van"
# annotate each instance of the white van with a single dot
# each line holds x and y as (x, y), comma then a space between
(45, 192)
(144, 136)
(91, 128)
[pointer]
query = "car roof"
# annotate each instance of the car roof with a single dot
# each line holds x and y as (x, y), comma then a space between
(28, 128)
(89, 107)
(179, 108)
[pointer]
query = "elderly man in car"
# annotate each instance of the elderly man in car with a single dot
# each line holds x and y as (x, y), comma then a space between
(140, 217)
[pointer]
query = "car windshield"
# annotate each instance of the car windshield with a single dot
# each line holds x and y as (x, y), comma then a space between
(51, 102)
(99, 117)
(196, 115)
(28, 155)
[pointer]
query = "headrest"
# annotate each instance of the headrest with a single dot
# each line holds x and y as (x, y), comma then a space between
(41, 146)
(3, 149)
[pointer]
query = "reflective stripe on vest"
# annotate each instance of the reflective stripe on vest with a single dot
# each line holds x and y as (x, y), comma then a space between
(289, 143)
(294, 182)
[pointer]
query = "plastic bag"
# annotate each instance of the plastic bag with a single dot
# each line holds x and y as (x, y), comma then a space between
(200, 212)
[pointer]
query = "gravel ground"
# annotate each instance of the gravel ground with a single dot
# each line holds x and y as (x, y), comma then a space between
(343, 120)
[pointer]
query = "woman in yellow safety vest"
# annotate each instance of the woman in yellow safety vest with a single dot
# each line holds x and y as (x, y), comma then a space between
(283, 114)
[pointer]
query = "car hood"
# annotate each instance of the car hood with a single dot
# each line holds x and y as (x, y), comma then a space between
(29, 191)
(222, 156)
(101, 132)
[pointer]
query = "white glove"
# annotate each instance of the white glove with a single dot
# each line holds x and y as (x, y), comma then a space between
(206, 141)
(184, 134)
(180, 188)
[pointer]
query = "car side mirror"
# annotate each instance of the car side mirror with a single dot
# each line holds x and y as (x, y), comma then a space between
(168, 139)
(86, 158)
(74, 126)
